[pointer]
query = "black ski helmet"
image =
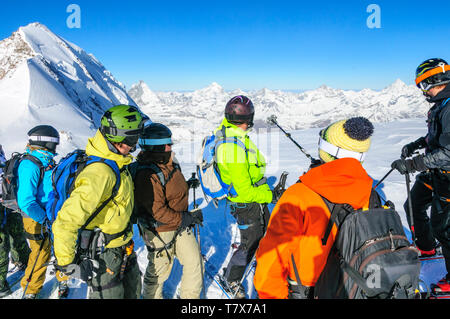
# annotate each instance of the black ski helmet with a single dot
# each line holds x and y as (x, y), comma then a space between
(155, 137)
(44, 136)
(240, 110)
(431, 73)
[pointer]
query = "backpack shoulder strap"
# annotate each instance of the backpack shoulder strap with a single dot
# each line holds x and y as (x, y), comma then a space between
(176, 167)
(221, 138)
(37, 162)
(117, 171)
(152, 167)
(441, 107)
(336, 210)
(32, 158)
(156, 170)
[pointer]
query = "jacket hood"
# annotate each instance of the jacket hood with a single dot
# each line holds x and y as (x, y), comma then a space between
(97, 146)
(343, 181)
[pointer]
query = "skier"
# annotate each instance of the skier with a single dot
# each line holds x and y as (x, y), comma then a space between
(12, 240)
(432, 186)
(161, 194)
(244, 169)
(300, 218)
(111, 272)
(33, 190)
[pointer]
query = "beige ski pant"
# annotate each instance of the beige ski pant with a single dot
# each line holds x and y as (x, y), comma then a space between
(160, 262)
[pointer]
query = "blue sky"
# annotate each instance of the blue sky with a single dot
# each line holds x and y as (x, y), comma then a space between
(292, 45)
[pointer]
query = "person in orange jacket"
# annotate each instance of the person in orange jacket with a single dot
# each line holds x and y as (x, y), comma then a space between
(300, 218)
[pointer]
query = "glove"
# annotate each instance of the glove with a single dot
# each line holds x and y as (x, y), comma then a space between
(409, 149)
(193, 183)
(315, 162)
(189, 219)
(277, 192)
(405, 166)
(85, 271)
(276, 195)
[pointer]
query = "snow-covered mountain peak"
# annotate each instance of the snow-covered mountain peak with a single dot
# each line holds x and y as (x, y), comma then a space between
(13, 51)
(144, 95)
(45, 79)
(400, 87)
(211, 90)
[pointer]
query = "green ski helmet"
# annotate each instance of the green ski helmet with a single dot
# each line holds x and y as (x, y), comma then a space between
(122, 124)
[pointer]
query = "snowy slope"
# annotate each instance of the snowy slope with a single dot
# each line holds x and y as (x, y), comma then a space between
(220, 230)
(202, 110)
(45, 79)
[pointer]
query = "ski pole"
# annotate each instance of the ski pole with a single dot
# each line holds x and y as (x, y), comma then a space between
(385, 176)
(215, 279)
(197, 227)
(34, 266)
(247, 272)
(273, 119)
(411, 216)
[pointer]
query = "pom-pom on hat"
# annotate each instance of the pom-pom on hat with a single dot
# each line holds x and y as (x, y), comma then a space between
(346, 138)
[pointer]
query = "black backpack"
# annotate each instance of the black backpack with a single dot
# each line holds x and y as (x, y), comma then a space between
(371, 256)
(9, 178)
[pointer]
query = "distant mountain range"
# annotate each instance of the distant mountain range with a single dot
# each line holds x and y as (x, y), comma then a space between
(314, 108)
(45, 79)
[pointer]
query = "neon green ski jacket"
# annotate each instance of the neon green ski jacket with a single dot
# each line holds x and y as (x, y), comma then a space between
(242, 169)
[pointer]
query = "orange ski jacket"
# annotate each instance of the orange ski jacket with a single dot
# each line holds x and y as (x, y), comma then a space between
(298, 223)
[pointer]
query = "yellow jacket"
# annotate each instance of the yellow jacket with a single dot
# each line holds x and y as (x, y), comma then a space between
(92, 187)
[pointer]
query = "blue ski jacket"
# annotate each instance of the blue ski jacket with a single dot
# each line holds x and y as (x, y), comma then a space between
(32, 195)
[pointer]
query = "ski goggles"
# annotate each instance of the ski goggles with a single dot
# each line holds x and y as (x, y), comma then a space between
(131, 140)
(425, 87)
(339, 152)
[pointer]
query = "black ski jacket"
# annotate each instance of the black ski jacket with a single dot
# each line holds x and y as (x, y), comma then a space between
(437, 152)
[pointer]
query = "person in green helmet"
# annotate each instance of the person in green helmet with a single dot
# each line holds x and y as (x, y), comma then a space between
(114, 273)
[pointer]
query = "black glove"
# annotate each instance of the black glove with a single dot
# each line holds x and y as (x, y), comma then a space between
(86, 270)
(405, 166)
(409, 149)
(276, 195)
(279, 189)
(315, 162)
(189, 219)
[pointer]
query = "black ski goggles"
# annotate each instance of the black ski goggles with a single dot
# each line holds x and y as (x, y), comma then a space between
(131, 140)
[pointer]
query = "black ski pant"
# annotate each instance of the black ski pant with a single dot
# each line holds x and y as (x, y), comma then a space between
(12, 240)
(437, 225)
(252, 220)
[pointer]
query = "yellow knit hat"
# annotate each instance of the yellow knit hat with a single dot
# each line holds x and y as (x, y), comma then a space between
(352, 135)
